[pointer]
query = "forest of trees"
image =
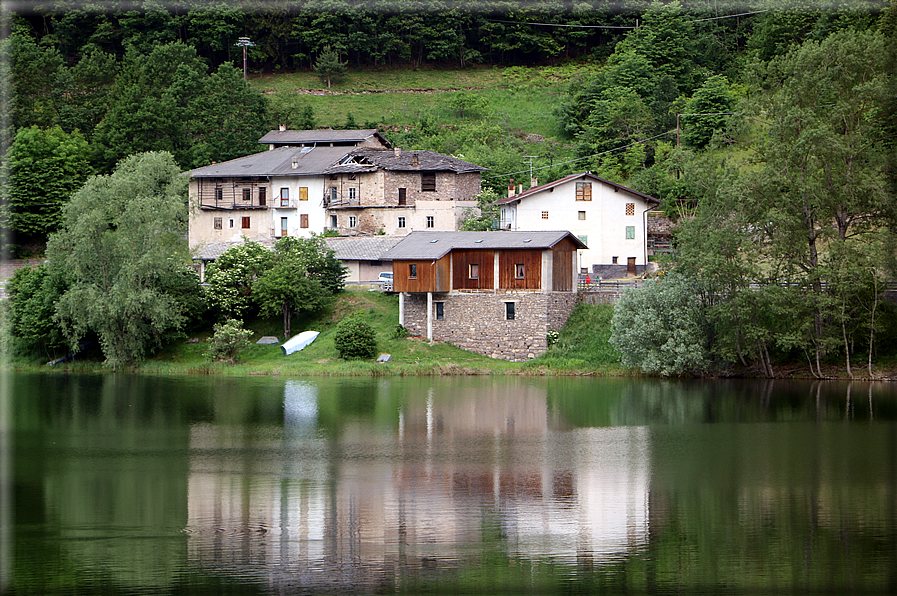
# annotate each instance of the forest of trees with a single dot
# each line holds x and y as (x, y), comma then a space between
(766, 129)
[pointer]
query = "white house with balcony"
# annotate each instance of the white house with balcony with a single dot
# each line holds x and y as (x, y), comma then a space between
(609, 218)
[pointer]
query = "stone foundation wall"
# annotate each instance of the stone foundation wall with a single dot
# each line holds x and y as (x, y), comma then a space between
(476, 321)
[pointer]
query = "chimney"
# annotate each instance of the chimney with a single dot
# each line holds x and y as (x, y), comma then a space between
(397, 151)
(283, 127)
(511, 188)
(295, 162)
(414, 161)
(534, 182)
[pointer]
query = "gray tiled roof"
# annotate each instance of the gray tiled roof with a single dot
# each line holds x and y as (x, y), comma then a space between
(435, 245)
(405, 161)
(322, 136)
(213, 250)
(362, 248)
(277, 162)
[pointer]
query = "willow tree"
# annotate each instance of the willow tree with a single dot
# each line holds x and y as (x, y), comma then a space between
(122, 248)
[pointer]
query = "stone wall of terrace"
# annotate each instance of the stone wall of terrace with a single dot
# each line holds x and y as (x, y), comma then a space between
(477, 321)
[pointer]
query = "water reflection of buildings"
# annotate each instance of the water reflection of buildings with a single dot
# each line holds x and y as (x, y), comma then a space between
(458, 468)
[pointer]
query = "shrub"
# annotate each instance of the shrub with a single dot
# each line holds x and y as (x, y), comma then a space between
(355, 338)
(400, 332)
(228, 341)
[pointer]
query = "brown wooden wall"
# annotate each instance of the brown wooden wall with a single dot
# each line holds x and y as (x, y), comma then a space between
(532, 265)
(431, 276)
(461, 261)
(562, 270)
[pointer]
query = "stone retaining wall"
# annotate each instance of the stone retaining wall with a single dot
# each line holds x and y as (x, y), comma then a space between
(477, 321)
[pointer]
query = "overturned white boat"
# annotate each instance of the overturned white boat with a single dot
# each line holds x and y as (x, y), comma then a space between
(298, 342)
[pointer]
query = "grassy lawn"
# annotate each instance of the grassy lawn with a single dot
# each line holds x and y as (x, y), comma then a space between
(582, 349)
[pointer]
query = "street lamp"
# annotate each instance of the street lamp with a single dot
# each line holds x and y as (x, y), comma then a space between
(244, 43)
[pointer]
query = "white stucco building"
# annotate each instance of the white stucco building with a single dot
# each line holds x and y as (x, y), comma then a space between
(609, 218)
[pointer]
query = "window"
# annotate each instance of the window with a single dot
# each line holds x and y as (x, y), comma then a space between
(583, 191)
(219, 194)
(245, 223)
(584, 239)
(247, 194)
(402, 196)
(630, 232)
(283, 226)
(509, 311)
(428, 181)
(440, 310)
(332, 193)
(303, 220)
(263, 199)
(333, 222)
(352, 221)
(412, 271)
(217, 223)
(352, 193)
(401, 222)
(431, 222)
(284, 197)
(473, 271)
(582, 216)
(303, 193)
(630, 208)
(230, 223)
(545, 215)
(613, 260)
(519, 271)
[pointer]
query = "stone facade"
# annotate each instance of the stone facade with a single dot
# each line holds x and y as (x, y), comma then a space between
(477, 321)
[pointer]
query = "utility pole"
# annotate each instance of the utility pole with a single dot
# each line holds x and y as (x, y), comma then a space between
(244, 42)
(530, 158)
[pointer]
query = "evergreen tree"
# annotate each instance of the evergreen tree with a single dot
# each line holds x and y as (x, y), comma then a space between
(328, 66)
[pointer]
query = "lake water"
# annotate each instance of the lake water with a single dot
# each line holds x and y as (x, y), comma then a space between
(120, 484)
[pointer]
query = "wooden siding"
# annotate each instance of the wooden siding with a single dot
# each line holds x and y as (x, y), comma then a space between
(431, 276)
(532, 269)
(562, 270)
(461, 261)
(232, 193)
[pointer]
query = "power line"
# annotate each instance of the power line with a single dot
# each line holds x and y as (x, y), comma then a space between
(560, 25)
(663, 134)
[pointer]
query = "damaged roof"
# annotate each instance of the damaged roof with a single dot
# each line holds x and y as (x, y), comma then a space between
(306, 137)
(365, 159)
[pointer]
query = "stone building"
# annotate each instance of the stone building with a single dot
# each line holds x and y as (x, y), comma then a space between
(493, 293)
(374, 191)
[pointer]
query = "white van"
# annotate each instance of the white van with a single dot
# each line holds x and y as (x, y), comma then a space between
(385, 281)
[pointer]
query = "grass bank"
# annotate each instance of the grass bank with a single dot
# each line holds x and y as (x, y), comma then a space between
(582, 349)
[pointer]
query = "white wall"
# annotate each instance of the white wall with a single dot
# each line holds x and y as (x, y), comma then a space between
(312, 207)
(604, 227)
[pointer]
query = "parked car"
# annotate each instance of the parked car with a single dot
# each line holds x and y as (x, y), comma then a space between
(385, 281)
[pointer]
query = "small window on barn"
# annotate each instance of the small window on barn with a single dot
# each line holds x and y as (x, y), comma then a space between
(352, 193)
(545, 215)
(353, 221)
(582, 216)
(412, 271)
(519, 271)
(474, 271)
(630, 232)
(247, 194)
(430, 221)
(613, 260)
(219, 194)
(583, 191)
(230, 223)
(401, 221)
(428, 181)
(510, 311)
(246, 223)
(630, 208)
(440, 310)
(217, 223)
